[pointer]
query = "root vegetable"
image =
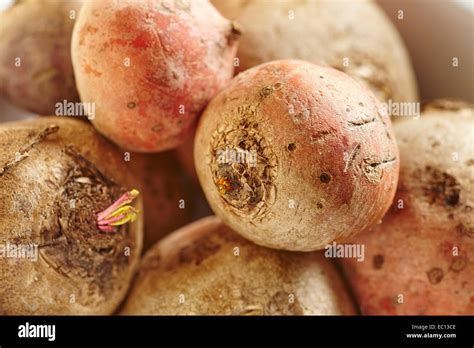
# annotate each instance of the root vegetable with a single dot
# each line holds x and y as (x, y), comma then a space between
(35, 60)
(57, 179)
(295, 156)
(186, 157)
(419, 261)
(165, 61)
(207, 269)
(166, 194)
(353, 36)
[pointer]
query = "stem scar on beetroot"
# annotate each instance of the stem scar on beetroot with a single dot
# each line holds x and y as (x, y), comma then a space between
(247, 188)
(70, 242)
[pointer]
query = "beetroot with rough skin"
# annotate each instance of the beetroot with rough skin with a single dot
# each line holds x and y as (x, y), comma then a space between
(295, 156)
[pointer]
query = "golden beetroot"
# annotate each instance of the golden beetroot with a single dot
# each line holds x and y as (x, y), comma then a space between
(35, 58)
(353, 36)
(207, 269)
(150, 67)
(167, 196)
(295, 156)
(419, 261)
(66, 197)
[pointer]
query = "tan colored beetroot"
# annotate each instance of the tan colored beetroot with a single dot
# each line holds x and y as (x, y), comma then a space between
(55, 176)
(185, 155)
(207, 269)
(151, 67)
(353, 36)
(419, 261)
(166, 194)
(35, 60)
(326, 159)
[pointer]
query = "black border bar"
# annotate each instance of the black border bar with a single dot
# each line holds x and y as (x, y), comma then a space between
(159, 330)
